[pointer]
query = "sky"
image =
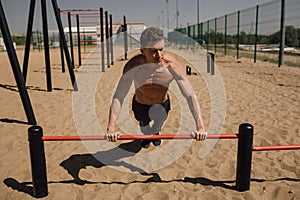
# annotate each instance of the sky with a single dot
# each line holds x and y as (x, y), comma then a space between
(150, 12)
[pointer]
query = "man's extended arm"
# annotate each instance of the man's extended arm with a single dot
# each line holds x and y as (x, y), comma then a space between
(189, 94)
(116, 105)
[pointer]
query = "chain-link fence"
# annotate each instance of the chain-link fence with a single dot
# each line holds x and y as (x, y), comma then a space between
(253, 33)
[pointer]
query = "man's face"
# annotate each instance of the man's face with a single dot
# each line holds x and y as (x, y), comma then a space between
(154, 51)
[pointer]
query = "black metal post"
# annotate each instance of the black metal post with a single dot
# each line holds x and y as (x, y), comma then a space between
(225, 46)
(107, 38)
(282, 35)
(63, 70)
(194, 29)
(188, 35)
(256, 33)
(28, 39)
(238, 36)
(244, 157)
(216, 35)
(46, 45)
(201, 33)
(208, 63)
(198, 33)
(111, 40)
(16, 68)
(65, 45)
(207, 36)
(38, 161)
(62, 58)
(78, 40)
(212, 63)
(71, 38)
(125, 36)
(102, 39)
(39, 39)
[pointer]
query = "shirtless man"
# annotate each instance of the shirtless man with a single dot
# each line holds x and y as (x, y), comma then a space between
(152, 71)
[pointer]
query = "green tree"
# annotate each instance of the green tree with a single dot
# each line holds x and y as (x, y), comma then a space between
(291, 37)
(298, 32)
(19, 39)
(243, 38)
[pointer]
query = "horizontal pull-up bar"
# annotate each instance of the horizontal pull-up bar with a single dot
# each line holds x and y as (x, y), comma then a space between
(278, 147)
(138, 137)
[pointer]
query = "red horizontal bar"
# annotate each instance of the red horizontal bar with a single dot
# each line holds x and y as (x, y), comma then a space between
(275, 148)
(138, 137)
(90, 13)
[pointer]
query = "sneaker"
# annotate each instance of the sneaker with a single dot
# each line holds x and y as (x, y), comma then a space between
(156, 142)
(145, 143)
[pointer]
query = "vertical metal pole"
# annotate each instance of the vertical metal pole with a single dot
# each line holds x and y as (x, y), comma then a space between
(71, 38)
(78, 40)
(201, 33)
(16, 67)
(62, 55)
(38, 161)
(238, 36)
(65, 45)
(198, 33)
(208, 62)
(194, 35)
(282, 34)
(198, 16)
(46, 45)
(177, 15)
(102, 39)
(189, 35)
(212, 58)
(225, 46)
(28, 38)
(61, 52)
(125, 37)
(256, 33)
(208, 35)
(38, 39)
(168, 21)
(215, 35)
(244, 157)
(107, 38)
(111, 40)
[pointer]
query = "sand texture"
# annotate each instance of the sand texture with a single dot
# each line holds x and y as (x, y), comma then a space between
(259, 93)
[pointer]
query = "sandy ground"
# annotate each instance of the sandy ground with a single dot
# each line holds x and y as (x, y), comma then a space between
(258, 93)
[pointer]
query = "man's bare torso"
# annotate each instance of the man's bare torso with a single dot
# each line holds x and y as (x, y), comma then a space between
(151, 81)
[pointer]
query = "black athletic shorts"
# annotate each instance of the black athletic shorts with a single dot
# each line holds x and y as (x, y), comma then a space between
(141, 111)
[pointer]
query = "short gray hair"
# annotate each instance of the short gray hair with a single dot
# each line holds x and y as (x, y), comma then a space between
(151, 34)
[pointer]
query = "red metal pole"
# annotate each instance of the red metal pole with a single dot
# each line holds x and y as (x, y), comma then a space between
(279, 147)
(137, 137)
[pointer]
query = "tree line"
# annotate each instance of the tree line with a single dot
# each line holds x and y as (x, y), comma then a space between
(292, 37)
